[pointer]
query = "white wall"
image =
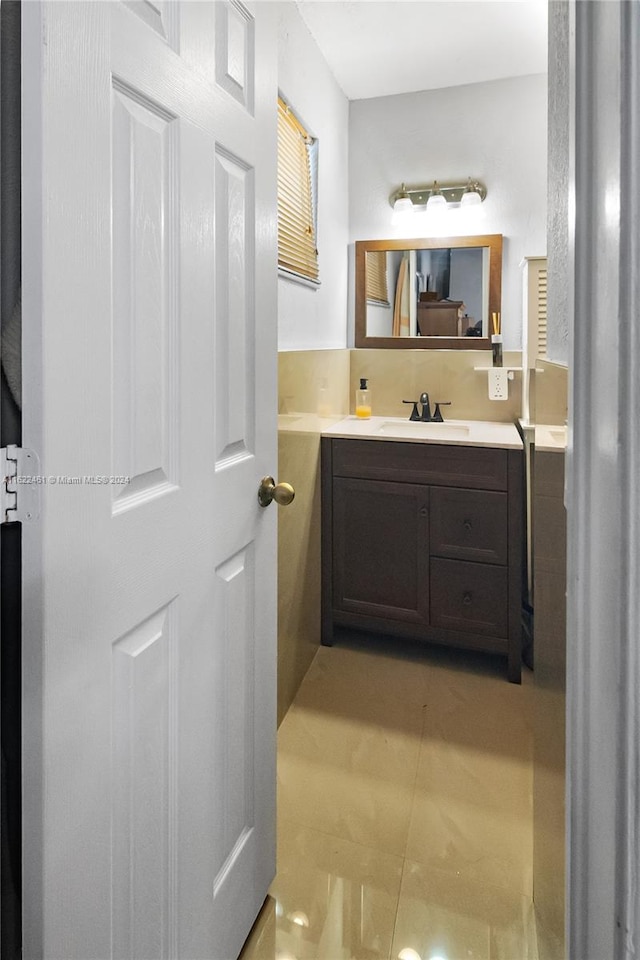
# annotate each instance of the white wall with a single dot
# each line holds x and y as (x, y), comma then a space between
(316, 318)
(494, 131)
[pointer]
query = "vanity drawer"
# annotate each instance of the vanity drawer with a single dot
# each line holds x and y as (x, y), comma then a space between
(469, 597)
(433, 463)
(469, 525)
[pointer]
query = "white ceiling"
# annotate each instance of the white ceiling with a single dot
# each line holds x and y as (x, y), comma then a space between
(380, 47)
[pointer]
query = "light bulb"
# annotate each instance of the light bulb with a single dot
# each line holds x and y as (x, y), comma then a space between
(402, 212)
(403, 205)
(471, 198)
(436, 200)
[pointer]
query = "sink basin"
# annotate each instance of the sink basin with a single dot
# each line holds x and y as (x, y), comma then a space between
(475, 433)
(415, 429)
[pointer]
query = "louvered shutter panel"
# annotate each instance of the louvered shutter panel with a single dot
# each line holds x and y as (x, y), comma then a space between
(542, 311)
(535, 305)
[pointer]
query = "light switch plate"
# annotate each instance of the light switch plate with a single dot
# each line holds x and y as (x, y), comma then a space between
(498, 383)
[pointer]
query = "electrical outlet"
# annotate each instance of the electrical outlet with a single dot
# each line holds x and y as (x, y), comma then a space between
(498, 383)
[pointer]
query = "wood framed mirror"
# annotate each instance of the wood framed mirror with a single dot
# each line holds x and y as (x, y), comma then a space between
(430, 294)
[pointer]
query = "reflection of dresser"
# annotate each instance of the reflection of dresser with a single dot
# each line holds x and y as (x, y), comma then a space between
(439, 318)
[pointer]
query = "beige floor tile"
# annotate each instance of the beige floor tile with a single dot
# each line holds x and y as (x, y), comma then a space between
(261, 942)
(467, 688)
(392, 750)
(472, 808)
(472, 818)
(348, 748)
(347, 777)
(370, 678)
(335, 900)
(444, 917)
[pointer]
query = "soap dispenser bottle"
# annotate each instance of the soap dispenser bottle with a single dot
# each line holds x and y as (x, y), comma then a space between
(363, 400)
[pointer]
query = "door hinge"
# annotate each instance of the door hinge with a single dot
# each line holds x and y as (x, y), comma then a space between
(20, 487)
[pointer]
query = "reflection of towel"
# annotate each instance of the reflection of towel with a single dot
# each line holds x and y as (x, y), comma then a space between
(401, 304)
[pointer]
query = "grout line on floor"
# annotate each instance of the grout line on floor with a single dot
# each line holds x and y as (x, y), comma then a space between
(395, 919)
(415, 781)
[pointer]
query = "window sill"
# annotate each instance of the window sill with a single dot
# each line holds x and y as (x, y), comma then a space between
(297, 278)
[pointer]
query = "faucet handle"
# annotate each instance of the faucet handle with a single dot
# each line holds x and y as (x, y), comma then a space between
(437, 413)
(414, 413)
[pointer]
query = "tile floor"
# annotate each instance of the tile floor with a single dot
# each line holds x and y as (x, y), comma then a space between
(404, 810)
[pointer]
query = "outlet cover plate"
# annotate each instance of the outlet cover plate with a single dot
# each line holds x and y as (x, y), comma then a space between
(498, 383)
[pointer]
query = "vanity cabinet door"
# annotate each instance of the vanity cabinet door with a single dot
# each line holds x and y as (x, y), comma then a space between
(380, 549)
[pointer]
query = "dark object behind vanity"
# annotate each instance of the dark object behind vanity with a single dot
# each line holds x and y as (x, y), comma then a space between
(424, 541)
(441, 318)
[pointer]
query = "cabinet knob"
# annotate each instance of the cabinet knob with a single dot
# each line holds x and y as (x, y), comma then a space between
(424, 512)
(467, 525)
(466, 599)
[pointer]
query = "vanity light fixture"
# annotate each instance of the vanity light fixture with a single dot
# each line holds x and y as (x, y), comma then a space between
(452, 192)
(402, 207)
(471, 196)
(402, 203)
(436, 200)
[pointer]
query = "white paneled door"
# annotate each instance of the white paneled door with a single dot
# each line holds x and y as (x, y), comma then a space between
(150, 375)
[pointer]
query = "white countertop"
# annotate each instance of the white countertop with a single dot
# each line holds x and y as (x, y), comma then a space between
(305, 422)
(550, 437)
(474, 433)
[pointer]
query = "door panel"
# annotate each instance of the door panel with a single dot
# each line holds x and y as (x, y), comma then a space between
(143, 814)
(235, 61)
(145, 247)
(151, 641)
(160, 15)
(235, 270)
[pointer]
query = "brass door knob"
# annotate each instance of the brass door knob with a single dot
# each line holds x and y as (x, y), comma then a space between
(282, 493)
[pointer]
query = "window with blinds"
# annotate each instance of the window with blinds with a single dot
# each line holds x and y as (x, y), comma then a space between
(377, 276)
(297, 196)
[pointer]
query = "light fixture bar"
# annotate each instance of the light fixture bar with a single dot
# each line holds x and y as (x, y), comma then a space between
(452, 192)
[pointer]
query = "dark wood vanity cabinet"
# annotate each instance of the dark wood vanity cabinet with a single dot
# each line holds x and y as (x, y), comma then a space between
(424, 541)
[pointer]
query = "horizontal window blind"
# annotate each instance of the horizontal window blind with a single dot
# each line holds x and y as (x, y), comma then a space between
(377, 276)
(296, 219)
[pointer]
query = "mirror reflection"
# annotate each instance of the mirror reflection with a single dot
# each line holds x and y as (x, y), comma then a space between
(427, 292)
